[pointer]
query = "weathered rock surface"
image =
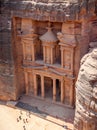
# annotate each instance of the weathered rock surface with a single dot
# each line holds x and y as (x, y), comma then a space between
(86, 92)
(7, 87)
(52, 10)
(82, 11)
(43, 10)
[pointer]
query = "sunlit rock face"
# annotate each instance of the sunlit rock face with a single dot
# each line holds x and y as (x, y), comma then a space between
(39, 10)
(75, 22)
(70, 17)
(47, 10)
(86, 92)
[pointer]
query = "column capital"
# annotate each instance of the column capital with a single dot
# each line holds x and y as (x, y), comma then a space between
(62, 78)
(54, 78)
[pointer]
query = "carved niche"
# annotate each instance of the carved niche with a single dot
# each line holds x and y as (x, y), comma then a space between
(49, 41)
(67, 44)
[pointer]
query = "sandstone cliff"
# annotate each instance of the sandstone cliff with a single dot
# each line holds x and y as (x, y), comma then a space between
(53, 10)
(6, 58)
(86, 92)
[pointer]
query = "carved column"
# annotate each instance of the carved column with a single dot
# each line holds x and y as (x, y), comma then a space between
(49, 41)
(72, 59)
(67, 56)
(26, 83)
(52, 56)
(33, 52)
(35, 84)
(62, 91)
(44, 54)
(24, 51)
(33, 43)
(62, 57)
(42, 86)
(28, 42)
(71, 92)
(54, 89)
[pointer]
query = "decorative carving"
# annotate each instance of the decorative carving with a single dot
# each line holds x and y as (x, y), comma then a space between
(68, 40)
(67, 44)
(49, 40)
(29, 39)
(49, 36)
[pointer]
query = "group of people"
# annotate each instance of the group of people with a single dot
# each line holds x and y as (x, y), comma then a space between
(25, 120)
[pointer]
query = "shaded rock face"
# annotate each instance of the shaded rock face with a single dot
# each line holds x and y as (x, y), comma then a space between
(86, 92)
(7, 87)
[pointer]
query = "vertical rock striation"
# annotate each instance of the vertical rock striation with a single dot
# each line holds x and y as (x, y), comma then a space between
(7, 88)
(86, 92)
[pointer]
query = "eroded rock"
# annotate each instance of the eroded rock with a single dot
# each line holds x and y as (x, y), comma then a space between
(86, 93)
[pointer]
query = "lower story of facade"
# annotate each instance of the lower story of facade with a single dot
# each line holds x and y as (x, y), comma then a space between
(46, 84)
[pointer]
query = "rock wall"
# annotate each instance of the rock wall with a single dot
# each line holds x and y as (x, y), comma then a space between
(7, 88)
(82, 11)
(86, 92)
(45, 10)
(86, 85)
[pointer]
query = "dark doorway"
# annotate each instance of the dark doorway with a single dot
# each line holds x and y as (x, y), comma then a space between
(38, 85)
(39, 51)
(58, 55)
(48, 83)
(58, 92)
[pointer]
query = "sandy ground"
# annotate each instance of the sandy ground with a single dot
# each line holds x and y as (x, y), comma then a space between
(10, 116)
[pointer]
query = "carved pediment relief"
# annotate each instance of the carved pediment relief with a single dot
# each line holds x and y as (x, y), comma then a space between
(50, 70)
(67, 39)
(27, 34)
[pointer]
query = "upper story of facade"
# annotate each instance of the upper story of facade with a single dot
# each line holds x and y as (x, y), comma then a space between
(50, 44)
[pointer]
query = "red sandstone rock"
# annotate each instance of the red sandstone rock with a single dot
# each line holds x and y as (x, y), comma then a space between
(74, 23)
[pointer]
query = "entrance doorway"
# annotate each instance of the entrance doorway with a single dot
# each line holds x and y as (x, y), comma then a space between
(48, 84)
(38, 85)
(58, 89)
